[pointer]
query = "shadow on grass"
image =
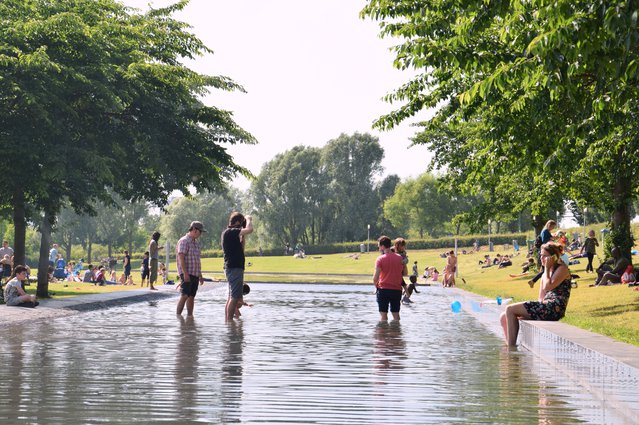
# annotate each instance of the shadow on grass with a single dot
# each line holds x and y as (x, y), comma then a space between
(615, 310)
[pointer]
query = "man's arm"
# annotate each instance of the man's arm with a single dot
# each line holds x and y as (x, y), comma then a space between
(376, 276)
(249, 226)
(181, 261)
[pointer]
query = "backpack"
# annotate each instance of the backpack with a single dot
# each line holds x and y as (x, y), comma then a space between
(629, 275)
(538, 243)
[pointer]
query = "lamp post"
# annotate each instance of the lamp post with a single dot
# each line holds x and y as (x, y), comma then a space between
(368, 237)
(585, 209)
(489, 245)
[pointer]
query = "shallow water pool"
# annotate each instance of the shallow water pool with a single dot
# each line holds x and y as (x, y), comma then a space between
(302, 354)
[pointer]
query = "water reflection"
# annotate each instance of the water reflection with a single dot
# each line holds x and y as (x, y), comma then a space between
(231, 384)
(186, 367)
(390, 347)
(315, 354)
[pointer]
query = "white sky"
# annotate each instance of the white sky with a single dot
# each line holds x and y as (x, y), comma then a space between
(312, 70)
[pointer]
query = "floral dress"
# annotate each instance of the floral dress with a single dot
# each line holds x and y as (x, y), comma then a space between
(554, 304)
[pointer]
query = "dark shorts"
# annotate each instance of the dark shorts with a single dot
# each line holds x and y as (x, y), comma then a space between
(190, 288)
(235, 277)
(145, 273)
(386, 297)
(127, 271)
(6, 270)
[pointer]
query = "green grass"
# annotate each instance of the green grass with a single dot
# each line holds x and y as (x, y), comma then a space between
(611, 311)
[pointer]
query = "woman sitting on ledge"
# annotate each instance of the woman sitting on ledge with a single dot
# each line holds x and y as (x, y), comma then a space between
(554, 293)
(14, 295)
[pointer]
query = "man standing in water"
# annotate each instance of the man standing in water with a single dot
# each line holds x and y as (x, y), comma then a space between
(389, 269)
(154, 256)
(189, 267)
(233, 240)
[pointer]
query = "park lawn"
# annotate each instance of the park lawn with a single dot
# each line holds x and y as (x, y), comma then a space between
(66, 289)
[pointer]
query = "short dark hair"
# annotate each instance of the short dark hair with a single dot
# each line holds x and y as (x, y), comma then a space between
(384, 241)
(156, 236)
(20, 269)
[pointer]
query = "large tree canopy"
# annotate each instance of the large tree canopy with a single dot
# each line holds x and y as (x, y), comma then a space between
(95, 100)
(536, 100)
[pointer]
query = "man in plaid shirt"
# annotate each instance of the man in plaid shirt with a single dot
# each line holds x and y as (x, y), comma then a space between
(189, 267)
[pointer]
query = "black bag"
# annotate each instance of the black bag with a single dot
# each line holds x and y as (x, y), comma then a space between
(538, 242)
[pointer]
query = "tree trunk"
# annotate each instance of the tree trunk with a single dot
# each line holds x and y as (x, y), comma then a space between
(43, 262)
(89, 250)
(620, 232)
(19, 228)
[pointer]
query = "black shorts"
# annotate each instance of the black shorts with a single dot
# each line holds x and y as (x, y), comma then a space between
(145, 273)
(386, 297)
(190, 288)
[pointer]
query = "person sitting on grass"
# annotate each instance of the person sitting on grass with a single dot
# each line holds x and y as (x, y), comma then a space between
(554, 294)
(14, 295)
(88, 276)
(505, 262)
(611, 271)
(525, 268)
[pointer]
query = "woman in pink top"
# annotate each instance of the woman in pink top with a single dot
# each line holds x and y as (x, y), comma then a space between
(389, 269)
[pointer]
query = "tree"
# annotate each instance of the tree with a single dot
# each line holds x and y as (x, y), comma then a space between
(212, 209)
(352, 163)
(289, 196)
(551, 84)
(94, 101)
(418, 205)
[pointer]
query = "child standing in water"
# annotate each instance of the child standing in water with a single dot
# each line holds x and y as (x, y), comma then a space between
(245, 291)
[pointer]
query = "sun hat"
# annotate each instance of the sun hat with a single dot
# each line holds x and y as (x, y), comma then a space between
(197, 225)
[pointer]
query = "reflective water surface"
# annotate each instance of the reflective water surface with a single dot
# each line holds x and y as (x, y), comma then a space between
(302, 354)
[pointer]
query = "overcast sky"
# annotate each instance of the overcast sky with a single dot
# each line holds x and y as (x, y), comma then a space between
(312, 70)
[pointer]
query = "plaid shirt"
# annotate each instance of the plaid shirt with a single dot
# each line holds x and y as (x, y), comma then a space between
(191, 250)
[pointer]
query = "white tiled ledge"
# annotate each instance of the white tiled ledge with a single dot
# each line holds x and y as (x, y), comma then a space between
(607, 368)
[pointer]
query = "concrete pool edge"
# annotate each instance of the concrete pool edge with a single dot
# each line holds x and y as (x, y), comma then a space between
(606, 368)
(60, 307)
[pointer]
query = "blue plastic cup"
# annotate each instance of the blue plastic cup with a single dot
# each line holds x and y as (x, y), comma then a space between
(498, 300)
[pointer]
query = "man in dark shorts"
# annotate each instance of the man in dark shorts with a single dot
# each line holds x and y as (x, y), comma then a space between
(233, 239)
(389, 269)
(189, 267)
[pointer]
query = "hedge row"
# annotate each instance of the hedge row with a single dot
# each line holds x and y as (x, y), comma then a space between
(463, 242)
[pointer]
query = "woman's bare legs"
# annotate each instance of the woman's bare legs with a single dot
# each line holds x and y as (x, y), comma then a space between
(510, 322)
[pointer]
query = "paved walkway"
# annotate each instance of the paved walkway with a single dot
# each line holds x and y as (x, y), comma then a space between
(60, 307)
